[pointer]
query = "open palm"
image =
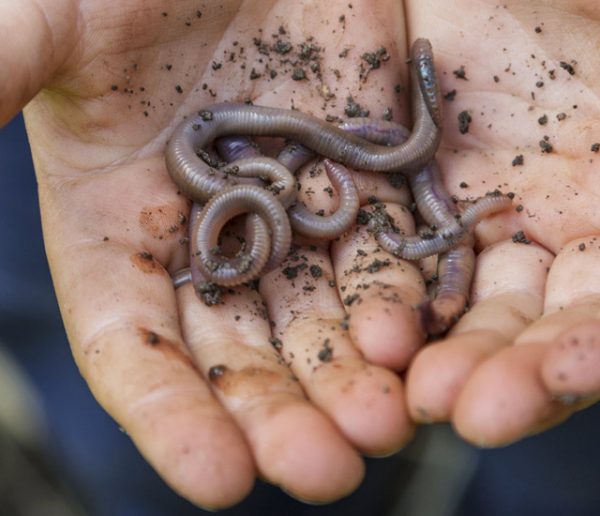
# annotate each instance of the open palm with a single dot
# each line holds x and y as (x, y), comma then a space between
(201, 390)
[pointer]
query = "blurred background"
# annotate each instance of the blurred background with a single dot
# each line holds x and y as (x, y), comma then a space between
(62, 455)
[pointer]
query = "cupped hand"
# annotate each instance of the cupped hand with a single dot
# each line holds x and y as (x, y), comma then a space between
(201, 390)
(204, 392)
(524, 77)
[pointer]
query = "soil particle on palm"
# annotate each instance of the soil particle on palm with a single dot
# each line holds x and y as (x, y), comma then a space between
(460, 73)
(517, 160)
(464, 120)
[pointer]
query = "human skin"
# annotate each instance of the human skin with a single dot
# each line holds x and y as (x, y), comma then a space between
(200, 389)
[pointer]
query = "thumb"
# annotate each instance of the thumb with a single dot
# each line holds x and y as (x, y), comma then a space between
(38, 37)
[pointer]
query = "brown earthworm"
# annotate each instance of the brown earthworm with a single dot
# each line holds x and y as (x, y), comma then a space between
(455, 265)
(199, 181)
(267, 246)
(433, 201)
(331, 226)
(455, 273)
(293, 156)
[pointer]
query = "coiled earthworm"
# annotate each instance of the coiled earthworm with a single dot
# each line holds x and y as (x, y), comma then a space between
(293, 156)
(266, 249)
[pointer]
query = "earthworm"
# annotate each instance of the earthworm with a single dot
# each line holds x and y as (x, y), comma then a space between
(292, 157)
(456, 265)
(199, 181)
(240, 149)
(267, 247)
(331, 226)
(455, 273)
(433, 201)
(181, 277)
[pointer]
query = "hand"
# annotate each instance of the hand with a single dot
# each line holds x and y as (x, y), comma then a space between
(527, 354)
(200, 390)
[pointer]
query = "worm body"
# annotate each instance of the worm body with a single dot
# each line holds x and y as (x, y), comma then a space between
(332, 226)
(268, 246)
(199, 180)
(264, 188)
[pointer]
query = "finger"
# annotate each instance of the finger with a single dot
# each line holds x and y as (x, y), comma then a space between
(45, 37)
(380, 293)
(123, 326)
(571, 366)
(293, 444)
(505, 300)
(570, 369)
(511, 395)
(365, 402)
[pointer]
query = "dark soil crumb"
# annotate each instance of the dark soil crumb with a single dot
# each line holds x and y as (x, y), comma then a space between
(353, 109)
(520, 238)
(326, 353)
(372, 61)
(291, 271)
(276, 343)
(543, 120)
(539, 84)
(538, 29)
(387, 114)
(561, 116)
(209, 293)
(450, 95)
(546, 146)
(206, 115)
(315, 271)
(376, 265)
(582, 246)
(595, 147)
(496, 78)
(345, 323)
(568, 67)
(298, 74)
(519, 208)
(464, 119)
(460, 73)
(348, 300)
(362, 217)
(282, 47)
(518, 160)
(178, 89)
(463, 185)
